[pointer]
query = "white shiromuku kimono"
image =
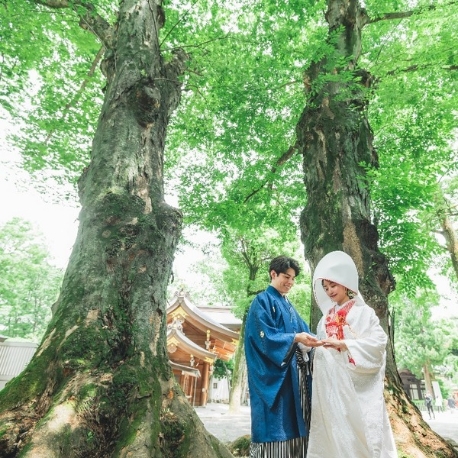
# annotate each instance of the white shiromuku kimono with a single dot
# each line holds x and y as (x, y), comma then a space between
(349, 417)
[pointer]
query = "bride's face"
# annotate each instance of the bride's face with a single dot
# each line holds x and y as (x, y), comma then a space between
(336, 292)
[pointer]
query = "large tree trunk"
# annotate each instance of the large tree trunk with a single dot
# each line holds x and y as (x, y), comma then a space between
(253, 261)
(448, 231)
(335, 138)
(240, 376)
(100, 384)
(427, 377)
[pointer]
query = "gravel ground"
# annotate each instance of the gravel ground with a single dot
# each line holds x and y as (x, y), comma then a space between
(228, 426)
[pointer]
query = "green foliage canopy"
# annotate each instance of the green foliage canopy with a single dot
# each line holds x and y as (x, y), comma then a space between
(231, 156)
(413, 114)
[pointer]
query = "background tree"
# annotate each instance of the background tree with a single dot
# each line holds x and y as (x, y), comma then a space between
(420, 343)
(29, 283)
(449, 367)
(447, 212)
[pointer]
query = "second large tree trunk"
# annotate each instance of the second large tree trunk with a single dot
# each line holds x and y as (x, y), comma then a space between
(335, 139)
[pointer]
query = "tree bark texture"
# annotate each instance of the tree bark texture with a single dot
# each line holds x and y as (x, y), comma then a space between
(100, 384)
(335, 139)
(451, 238)
(240, 375)
(253, 261)
(427, 377)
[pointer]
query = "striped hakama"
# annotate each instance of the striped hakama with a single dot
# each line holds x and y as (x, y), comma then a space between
(297, 447)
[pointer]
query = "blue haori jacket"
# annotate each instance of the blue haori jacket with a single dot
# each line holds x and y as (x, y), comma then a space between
(271, 324)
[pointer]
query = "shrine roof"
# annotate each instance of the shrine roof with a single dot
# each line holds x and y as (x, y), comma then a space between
(206, 318)
(193, 371)
(223, 315)
(188, 345)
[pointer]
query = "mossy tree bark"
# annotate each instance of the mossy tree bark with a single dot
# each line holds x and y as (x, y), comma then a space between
(253, 261)
(335, 139)
(100, 384)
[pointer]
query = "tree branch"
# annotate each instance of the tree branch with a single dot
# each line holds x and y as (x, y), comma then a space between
(201, 45)
(173, 70)
(181, 19)
(280, 161)
(392, 16)
(55, 4)
(177, 65)
(89, 20)
(416, 67)
(72, 102)
(407, 14)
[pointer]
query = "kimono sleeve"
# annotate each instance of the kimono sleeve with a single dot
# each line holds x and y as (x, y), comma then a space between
(267, 344)
(368, 347)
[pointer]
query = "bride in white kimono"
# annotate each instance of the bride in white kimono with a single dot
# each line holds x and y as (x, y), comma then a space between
(349, 416)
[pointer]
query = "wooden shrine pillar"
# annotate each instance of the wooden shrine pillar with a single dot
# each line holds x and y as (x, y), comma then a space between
(205, 382)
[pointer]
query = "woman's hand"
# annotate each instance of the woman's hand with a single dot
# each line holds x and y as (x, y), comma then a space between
(336, 344)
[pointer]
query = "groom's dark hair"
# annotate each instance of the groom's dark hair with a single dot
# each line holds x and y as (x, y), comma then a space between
(281, 264)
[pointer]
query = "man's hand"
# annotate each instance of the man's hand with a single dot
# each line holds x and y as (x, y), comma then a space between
(307, 339)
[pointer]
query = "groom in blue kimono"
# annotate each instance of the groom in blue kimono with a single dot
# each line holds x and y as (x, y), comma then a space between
(277, 345)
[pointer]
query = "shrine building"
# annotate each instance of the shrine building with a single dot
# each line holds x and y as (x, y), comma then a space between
(196, 338)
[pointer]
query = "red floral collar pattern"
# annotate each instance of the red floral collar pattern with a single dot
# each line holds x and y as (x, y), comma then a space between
(335, 322)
